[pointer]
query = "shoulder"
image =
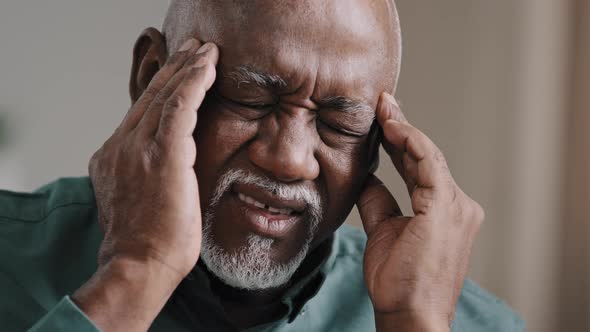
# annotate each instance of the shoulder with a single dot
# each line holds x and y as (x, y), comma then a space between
(67, 193)
(48, 239)
(342, 303)
(477, 310)
(47, 214)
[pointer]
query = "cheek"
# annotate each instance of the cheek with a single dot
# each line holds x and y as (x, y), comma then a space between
(219, 138)
(344, 173)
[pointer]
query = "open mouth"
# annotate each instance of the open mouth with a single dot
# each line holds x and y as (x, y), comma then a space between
(271, 209)
(268, 214)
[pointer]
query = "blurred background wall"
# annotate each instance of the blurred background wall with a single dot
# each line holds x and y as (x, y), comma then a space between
(501, 86)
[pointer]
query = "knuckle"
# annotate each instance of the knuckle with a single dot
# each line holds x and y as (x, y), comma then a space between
(479, 214)
(156, 106)
(199, 60)
(164, 132)
(151, 156)
(190, 151)
(202, 67)
(176, 58)
(151, 91)
(472, 214)
(166, 92)
(160, 96)
(162, 138)
(210, 71)
(175, 101)
(423, 200)
(193, 75)
(410, 141)
(204, 75)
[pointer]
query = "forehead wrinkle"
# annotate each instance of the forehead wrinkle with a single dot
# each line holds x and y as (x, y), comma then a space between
(248, 75)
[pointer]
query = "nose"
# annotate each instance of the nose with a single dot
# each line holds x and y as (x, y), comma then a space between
(285, 148)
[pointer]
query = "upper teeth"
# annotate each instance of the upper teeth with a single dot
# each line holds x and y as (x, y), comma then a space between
(256, 203)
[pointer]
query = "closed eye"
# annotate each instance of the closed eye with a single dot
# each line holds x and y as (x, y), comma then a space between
(254, 105)
(251, 105)
(245, 110)
(341, 131)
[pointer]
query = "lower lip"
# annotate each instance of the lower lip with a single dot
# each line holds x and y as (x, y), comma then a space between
(265, 223)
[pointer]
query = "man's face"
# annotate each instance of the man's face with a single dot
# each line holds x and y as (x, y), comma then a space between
(292, 110)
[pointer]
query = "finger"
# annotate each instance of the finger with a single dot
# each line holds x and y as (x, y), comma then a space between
(172, 66)
(179, 116)
(389, 109)
(376, 204)
(431, 168)
(410, 171)
(410, 150)
(151, 121)
(386, 111)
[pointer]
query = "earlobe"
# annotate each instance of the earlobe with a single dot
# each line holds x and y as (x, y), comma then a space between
(149, 55)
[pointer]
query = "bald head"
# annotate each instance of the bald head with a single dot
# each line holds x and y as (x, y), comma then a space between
(294, 99)
(208, 20)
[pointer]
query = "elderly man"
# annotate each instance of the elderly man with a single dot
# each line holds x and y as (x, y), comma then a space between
(233, 221)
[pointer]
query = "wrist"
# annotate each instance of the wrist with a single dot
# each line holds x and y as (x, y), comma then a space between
(411, 321)
(126, 294)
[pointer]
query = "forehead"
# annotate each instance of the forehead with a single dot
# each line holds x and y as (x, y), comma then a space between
(343, 47)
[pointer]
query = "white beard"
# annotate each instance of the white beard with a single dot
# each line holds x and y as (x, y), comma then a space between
(252, 266)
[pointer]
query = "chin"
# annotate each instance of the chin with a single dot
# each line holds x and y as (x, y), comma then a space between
(257, 232)
(256, 264)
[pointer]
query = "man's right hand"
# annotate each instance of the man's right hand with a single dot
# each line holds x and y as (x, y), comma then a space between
(147, 197)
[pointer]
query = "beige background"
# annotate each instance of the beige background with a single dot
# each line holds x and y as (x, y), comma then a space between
(498, 85)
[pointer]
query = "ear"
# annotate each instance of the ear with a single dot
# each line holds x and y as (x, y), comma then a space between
(149, 55)
(375, 138)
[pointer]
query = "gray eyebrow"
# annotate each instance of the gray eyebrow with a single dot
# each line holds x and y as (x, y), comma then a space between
(348, 105)
(248, 75)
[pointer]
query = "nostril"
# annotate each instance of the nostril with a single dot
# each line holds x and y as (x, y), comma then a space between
(287, 158)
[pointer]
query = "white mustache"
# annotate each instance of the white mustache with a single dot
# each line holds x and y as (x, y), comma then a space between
(283, 191)
(252, 266)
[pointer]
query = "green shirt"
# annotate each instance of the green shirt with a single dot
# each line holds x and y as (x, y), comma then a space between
(48, 247)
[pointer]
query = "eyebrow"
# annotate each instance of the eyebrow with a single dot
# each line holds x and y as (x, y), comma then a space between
(249, 75)
(345, 104)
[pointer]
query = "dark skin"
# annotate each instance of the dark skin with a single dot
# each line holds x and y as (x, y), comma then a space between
(289, 133)
(294, 137)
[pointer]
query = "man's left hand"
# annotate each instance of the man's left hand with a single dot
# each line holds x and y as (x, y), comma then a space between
(415, 266)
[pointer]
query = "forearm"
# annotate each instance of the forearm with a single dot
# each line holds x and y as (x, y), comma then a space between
(409, 322)
(125, 295)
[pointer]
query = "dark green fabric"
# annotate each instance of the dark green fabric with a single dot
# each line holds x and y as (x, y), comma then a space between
(48, 245)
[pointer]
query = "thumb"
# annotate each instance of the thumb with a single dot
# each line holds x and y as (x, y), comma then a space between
(376, 204)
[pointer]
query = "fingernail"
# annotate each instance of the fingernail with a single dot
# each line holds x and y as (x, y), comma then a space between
(383, 109)
(391, 99)
(204, 48)
(187, 45)
(398, 114)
